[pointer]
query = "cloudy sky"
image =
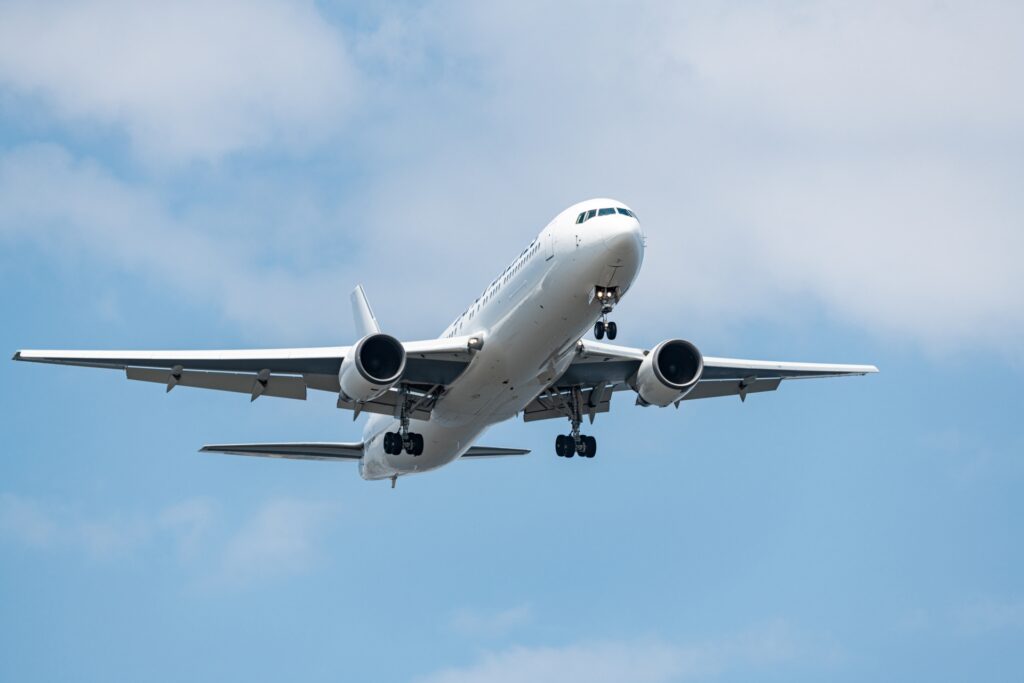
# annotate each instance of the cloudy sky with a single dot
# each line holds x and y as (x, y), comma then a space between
(818, 181)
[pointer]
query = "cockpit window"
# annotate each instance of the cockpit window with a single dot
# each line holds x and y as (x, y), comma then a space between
(587, 215)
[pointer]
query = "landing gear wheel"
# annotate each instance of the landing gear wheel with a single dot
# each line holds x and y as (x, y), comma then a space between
(389, 443)
(416, 441)
(599, 327)
(560, 445)
(589, 446)
(612, 330)
(569, 446)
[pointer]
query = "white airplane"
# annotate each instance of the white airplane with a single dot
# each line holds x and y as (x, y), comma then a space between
(517, 349)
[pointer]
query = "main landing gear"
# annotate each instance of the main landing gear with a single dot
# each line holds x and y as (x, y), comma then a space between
(568, 445)
(608, 296)
(574, 443)
(403, 439)
(395, 443)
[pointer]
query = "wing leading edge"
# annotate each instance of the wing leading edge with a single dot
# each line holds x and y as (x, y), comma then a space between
(600, 369)
(431, 365)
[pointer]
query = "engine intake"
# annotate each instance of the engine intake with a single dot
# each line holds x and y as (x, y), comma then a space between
(669, 372)
(374, 365)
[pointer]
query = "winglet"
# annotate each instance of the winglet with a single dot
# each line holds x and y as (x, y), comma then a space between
(16, 356)
(366, 321)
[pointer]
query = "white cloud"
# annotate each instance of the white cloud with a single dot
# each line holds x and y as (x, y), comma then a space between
(639, 661)
(477, 623)
(109, 538)
(280, 539)
(861, 160)
(598, 663)
(190, 521)
(77, 207)
(26, 521)
(47, 527)
(982, 617)
(187, 80)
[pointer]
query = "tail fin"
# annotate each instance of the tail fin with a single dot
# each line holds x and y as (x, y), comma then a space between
(366, 321)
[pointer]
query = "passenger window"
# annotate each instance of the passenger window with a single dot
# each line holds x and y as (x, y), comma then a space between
(605, 212)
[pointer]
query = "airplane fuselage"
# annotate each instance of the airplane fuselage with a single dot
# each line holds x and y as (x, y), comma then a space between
(529, 319)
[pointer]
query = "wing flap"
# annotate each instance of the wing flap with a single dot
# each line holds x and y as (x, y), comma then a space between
(389, 404)
(714, 389)
(291, 451)
(555, 404)
(283, 386)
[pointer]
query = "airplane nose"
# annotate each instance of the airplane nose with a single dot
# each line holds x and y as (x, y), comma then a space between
(625, 243)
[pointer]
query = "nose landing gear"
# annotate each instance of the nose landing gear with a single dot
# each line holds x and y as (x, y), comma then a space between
(601, 328)
(608, 296)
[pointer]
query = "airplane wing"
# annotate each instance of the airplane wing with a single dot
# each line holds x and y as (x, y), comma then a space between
(431, 366)
(332, 451)
(599, 369)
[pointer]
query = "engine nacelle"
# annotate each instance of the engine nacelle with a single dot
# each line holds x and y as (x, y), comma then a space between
(373, 366)
(669, 372)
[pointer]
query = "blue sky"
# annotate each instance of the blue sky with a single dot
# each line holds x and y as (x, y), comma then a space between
(818, 182)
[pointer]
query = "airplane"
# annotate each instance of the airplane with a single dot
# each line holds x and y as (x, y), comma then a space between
(517, 350)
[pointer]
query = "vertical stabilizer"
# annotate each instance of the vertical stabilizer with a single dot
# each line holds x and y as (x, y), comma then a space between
(366, 321)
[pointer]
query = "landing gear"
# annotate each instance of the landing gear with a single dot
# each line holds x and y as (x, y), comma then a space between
(574, 443)
(608, 296)
(602, 328)
(394, 444)
(403, 439)
(568, 445)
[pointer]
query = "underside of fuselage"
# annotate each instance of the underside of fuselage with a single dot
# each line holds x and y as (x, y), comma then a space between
(530, 321)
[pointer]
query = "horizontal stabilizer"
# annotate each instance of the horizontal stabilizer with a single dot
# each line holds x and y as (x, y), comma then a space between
(294, 451)
(489, 452)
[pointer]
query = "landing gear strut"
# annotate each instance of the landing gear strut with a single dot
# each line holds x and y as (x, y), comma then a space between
(403, 439)
(608, 296)
(574, 443)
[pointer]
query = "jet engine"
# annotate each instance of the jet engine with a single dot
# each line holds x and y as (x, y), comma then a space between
(371, 367)
(668, 372)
